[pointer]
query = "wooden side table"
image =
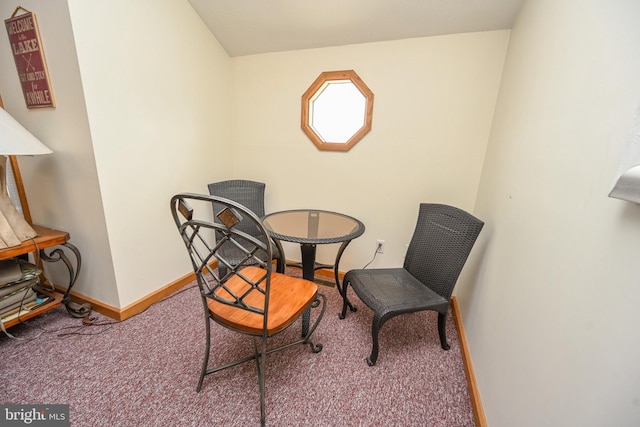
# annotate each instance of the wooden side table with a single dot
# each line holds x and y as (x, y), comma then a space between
(47, 238)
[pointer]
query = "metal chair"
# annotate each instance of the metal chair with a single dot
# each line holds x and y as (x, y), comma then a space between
(249, 298)
(441, 243)
(251, 195)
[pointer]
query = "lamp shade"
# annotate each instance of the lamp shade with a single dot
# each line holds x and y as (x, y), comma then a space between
(15, 140)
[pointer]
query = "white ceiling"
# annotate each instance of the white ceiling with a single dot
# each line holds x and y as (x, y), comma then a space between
(246, 27)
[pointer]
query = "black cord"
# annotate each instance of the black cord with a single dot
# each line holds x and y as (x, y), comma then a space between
(374, 256)
(89, 321)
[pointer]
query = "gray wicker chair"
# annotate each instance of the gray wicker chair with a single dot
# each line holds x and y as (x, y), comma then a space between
(249, 298)
(251, 195)
(441, 243)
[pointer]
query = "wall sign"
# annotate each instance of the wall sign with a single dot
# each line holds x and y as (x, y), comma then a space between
(26, 47)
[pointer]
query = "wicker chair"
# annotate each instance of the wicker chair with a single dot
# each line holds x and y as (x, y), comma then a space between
(251, 195)
(249, 298)
(441, 243)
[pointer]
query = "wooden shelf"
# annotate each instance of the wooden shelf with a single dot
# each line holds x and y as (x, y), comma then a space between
(47, 237)
(49, 305)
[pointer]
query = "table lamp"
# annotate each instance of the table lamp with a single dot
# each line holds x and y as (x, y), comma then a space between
(15, 140)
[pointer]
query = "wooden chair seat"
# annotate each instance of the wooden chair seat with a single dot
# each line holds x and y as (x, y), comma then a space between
(290, 296)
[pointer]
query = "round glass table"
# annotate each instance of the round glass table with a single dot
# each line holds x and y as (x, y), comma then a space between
(312, 227)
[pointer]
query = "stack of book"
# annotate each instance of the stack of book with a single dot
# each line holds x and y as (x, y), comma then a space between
(18, 288)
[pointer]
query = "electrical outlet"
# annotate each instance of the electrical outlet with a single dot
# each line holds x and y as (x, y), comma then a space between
(380, 246)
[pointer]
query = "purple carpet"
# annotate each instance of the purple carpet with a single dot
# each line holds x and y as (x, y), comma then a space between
(144, 371)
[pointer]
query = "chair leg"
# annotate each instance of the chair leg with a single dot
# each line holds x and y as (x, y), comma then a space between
(260, 353)
(442, 321)
(320, 301)
(345, 301)
(281, 263)
(261, 357)
(375, 329)
(205, 362)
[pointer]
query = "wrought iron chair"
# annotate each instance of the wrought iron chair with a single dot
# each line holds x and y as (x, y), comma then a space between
(251, 195)
(441, 243)
(249, 298)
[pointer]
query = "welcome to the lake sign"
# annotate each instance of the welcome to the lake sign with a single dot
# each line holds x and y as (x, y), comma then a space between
(26, 47)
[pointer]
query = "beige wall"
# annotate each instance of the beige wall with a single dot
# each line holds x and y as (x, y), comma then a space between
(551, 320)
(434, 101)
(142, 113)
(62, 188)
(156, 85)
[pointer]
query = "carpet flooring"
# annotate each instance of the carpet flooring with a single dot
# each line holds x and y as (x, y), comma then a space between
(144, 371)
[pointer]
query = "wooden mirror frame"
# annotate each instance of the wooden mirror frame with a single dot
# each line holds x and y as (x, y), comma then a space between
(310, 94)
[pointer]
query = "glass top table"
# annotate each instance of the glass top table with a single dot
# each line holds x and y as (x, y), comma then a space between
(311, 227)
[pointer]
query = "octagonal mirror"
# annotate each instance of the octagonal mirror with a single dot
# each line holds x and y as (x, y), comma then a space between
(337, 110)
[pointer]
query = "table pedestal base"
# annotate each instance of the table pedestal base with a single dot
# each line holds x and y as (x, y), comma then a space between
(309, 267)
